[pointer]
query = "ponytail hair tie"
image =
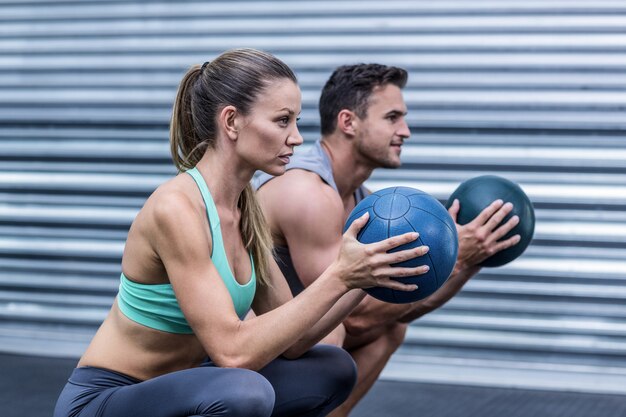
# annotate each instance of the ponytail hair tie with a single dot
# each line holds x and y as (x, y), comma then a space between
(204, 65)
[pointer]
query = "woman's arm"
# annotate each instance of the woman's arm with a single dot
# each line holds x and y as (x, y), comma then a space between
(279, 294)
(184, 245)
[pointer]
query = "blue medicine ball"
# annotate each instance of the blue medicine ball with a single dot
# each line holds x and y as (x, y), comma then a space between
(475, 194)
(397, 210)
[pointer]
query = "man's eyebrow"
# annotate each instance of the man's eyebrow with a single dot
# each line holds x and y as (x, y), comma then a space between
(395, 113)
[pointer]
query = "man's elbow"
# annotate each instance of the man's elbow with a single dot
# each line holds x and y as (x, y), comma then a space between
(357, 326)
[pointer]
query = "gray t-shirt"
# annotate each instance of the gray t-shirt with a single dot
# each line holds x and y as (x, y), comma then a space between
(314, 160)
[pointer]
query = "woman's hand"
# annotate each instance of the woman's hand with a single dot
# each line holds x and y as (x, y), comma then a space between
(369, 265)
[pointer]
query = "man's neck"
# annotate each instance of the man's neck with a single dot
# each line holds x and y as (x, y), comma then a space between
(348, 172)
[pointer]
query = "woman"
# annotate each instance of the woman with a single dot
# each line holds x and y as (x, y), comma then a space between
(198, 257)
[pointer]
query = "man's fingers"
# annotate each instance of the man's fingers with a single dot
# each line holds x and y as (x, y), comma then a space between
(505, 244)
(498, 216)
(501, 231)
(454, 209)
(486, 214)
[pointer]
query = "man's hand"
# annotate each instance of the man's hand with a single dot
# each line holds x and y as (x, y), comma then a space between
(480, 238)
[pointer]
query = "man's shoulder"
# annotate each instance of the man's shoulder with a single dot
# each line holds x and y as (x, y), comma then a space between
(304, 185)
(311, 208)
(301, 193)
(311, 160)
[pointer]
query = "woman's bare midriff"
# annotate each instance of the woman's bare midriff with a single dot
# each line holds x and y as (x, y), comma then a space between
(146, 353)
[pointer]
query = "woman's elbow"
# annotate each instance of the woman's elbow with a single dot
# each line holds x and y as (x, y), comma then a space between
(242, 361)
(294, 352)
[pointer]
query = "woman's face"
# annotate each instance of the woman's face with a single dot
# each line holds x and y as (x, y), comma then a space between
(270, 132)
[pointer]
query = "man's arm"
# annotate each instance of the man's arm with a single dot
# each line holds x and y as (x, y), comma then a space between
(306, 214)
(478, 240)
(311, 222)
(292, 203)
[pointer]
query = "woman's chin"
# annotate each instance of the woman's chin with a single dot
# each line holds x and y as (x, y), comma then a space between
(276, 171)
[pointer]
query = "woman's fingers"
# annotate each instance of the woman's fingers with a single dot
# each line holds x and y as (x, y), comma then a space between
(391, 277)
(380, 258)
(382, 261)
(394, 242)
(402, 272)
(400, 256)
(397, 285)
(357, 225)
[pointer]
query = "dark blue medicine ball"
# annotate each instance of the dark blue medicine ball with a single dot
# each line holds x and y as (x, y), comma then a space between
(477, 193)
(397, 210)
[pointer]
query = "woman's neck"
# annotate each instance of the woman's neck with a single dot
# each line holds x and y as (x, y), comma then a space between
(225, 178)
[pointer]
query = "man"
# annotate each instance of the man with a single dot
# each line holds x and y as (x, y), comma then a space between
(363, 127)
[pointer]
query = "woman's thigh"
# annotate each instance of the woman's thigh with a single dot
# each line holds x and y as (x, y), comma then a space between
(203, 391)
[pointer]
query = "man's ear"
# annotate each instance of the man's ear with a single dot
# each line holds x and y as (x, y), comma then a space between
(229, 122)
(347, 122)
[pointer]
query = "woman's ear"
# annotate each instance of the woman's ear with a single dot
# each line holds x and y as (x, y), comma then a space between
(347, 122)
(229, 121)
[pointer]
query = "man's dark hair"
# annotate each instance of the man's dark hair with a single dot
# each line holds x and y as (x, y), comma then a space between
(350, 86)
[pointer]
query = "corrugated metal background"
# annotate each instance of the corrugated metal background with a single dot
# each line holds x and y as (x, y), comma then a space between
(534, 91)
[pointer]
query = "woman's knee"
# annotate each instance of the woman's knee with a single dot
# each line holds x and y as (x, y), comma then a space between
(244, 393)
(337, 367)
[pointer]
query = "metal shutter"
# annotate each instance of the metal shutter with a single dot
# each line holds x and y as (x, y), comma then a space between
(533, 91)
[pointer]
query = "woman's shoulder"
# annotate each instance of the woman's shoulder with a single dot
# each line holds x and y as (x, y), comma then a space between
(174, 213)
(173, 200)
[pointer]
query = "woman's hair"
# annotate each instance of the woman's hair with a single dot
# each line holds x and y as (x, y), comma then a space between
(350, 87)
(236, 78)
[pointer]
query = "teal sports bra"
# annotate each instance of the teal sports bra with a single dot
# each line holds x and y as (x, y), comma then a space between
(155, 305)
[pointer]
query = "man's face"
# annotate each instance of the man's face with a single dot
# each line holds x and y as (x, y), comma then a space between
(380, 135)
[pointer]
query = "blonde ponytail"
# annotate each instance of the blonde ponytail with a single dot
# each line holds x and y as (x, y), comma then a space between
(255, 233)
(185, 145)
(234, 78)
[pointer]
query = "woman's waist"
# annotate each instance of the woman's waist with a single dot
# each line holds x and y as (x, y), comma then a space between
(133, 349)
(143, 364)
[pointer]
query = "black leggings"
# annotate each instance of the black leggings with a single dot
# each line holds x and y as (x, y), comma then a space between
(312, 385)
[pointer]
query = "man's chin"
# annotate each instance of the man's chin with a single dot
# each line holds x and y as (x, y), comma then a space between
(391, 164)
